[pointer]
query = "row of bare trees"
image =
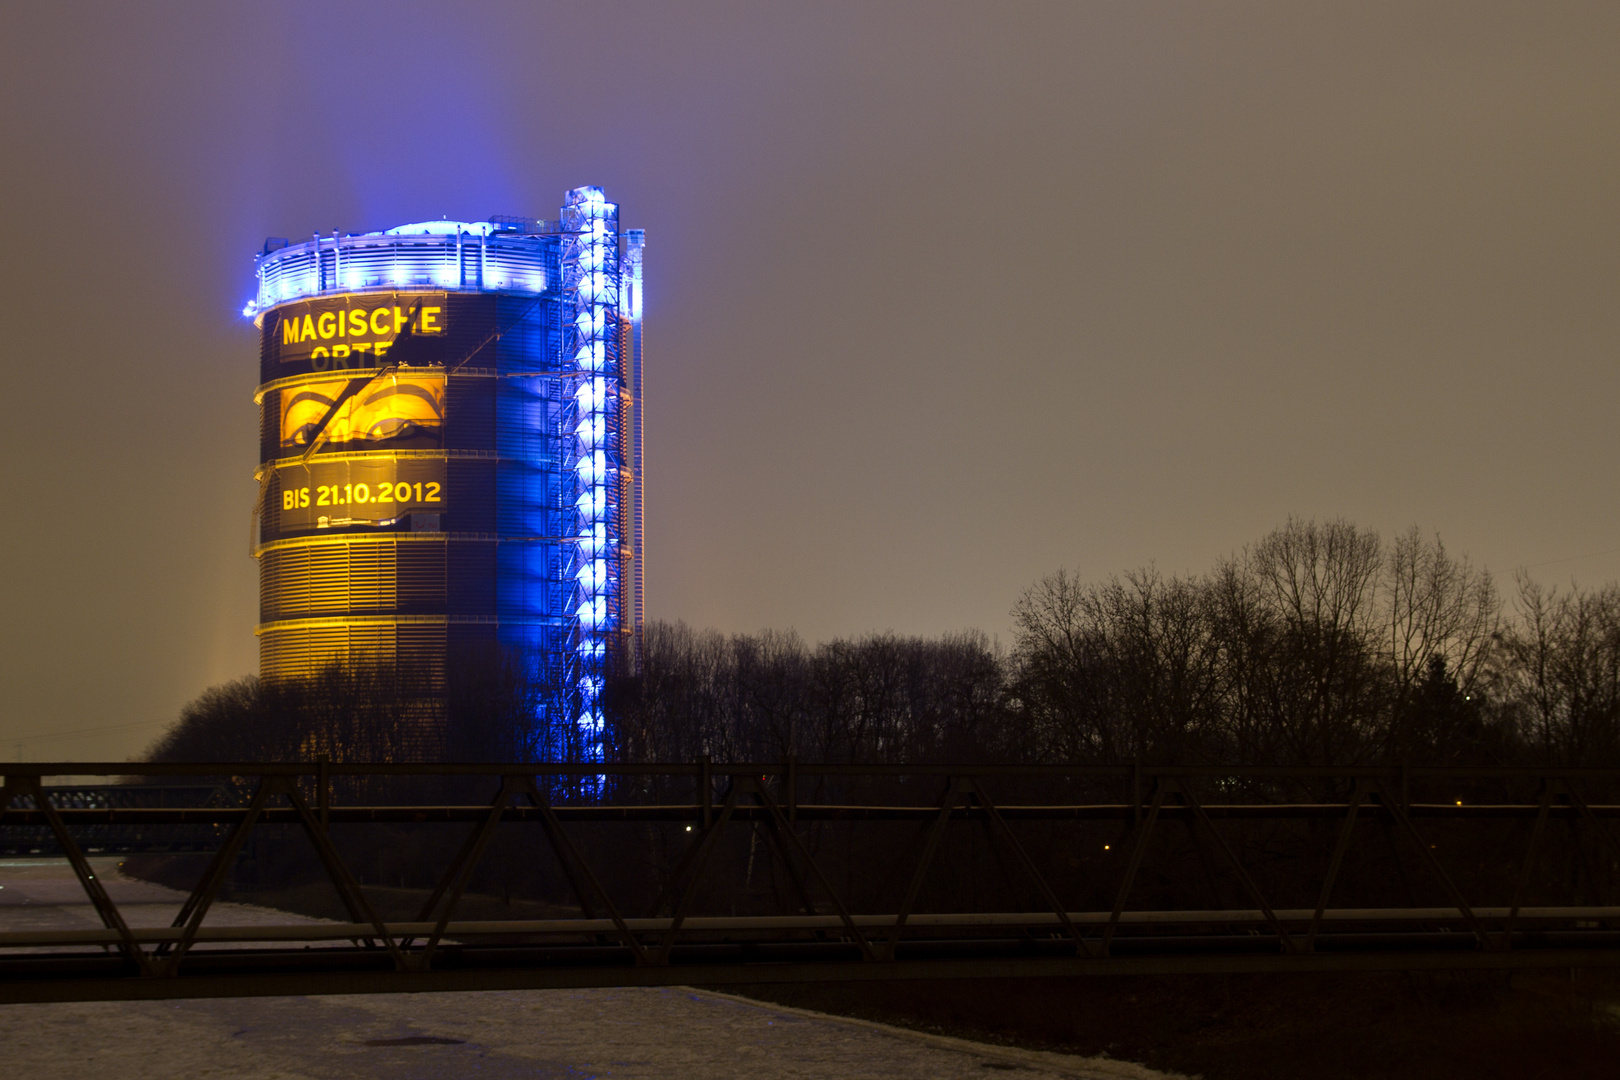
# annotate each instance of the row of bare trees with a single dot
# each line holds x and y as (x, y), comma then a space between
(1318, 645)
(763, 697)
(1321, 644)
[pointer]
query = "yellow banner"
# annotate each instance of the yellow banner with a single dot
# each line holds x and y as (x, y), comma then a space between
(392, 411)
(354, 330)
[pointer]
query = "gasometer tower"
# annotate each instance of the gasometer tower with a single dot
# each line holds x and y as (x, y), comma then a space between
(450, 452)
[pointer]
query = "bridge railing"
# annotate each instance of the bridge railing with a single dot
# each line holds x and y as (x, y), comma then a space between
(567, 874)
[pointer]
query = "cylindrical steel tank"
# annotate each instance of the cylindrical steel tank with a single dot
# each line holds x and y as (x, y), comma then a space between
(450, 450)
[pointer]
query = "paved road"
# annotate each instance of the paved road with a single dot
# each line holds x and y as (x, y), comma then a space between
(667, 1034)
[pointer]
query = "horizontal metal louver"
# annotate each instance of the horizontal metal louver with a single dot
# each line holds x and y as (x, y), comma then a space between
(360, 577)
(270, 425)
(469, 413)
(473, 483)
(470, 578)
(296, 652)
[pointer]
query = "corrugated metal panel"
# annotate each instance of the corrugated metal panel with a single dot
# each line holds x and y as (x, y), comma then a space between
(523, 409)
(524, 572)
(270, 425)
(469, 331)
(270, 510)
(470, 578)
(470, 637)
(420, 587)
(469, 412)
(470, 492)
(301, 651)
(527, 499)
(360, 577)
(532, 334)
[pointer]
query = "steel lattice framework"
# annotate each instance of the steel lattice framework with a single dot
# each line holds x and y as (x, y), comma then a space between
(645, 912)
(599, 452)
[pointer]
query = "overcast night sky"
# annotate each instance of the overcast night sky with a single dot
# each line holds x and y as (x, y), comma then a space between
(941, 297)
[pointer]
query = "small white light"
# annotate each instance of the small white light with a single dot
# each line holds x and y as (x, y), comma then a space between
(689, 828)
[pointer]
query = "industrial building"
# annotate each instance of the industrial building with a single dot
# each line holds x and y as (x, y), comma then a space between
(450, 450)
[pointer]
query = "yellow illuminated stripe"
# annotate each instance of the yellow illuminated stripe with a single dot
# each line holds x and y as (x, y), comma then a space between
(339, 622)
(354, 455)
(358, 538)
(385, 455)
(388, 538)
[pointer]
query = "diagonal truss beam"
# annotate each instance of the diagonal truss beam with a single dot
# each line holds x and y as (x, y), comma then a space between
(1397, 812)
(202, 897)
(1288, 943)
(1548, 789)
(786, 838)
(800, 886)
(699, 859)
(1357, 797)
(195, 909)
(584, 882)
(360, 909)
(954, 789)
(1143, 833)
(414, 947)
(476, 838)
(996, 824)
(111, 917)
(459, 872)
(1591, 819)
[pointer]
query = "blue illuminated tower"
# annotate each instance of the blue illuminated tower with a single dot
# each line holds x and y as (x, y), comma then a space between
(451, 455)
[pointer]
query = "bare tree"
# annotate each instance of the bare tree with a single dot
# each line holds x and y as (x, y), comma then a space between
(1559, 678)
(1437, 605)
(1320, 583)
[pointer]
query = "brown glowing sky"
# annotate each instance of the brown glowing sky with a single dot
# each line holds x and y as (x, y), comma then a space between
(941, 296)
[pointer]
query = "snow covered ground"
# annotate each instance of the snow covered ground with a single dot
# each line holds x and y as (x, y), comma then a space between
(670, 1034)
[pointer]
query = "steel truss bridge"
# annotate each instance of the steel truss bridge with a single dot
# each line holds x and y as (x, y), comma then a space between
(905, 872)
